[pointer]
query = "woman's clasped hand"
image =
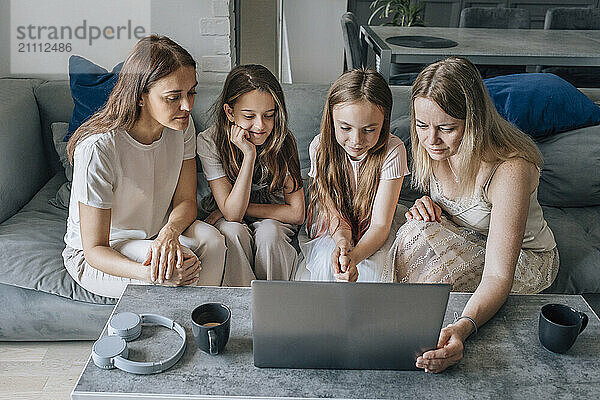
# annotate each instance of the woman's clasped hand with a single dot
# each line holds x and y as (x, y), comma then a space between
(171, 263)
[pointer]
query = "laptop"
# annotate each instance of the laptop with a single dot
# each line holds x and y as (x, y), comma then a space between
(345, 325)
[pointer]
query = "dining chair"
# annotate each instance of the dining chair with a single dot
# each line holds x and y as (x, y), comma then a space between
(580, 19)
(354, 54)
(495, 18)
(352, 47)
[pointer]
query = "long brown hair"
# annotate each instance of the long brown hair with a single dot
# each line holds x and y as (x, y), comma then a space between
(279, 153)
(152, 58)
(455, 85)
(331, 190)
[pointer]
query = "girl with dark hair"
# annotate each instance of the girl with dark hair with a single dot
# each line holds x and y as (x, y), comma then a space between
(357, 168)
(133, 200)
(250, 160)
(483, 173)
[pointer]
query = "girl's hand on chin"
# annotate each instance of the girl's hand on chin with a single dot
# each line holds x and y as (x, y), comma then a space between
(239, 137)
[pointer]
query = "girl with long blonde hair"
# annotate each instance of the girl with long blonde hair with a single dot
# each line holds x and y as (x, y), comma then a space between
(357, 169)
(481, 227)
(132, 212)
(250, 160)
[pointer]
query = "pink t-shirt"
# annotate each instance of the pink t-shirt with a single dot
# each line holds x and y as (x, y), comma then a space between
(394, 165)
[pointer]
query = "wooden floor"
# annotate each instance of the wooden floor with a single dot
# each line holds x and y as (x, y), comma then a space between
(41, 370)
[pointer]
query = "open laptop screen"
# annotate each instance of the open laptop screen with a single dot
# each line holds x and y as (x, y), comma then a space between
(345, 325)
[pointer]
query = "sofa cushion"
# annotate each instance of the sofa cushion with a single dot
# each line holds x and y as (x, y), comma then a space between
(23, 167)
(304, 103)
(33, 315)
(59, 131)
(541, 104)
(569, 176)
(31, 243)
(55, 104)
(577, 236)
(63, 195)
(90, 87)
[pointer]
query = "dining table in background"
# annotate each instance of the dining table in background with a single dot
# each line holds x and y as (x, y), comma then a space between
(530, 47)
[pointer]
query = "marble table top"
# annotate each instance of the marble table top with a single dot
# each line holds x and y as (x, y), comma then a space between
(494, 46)
(504, 360)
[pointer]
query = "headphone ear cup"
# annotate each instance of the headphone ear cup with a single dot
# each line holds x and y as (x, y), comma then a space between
(126, 325)
(106, 349)
(111, 351)
(122, 328)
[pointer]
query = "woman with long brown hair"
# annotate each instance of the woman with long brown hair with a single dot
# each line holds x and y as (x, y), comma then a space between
(482, 173)
(250, 160)
(357, 169)
(133, 207)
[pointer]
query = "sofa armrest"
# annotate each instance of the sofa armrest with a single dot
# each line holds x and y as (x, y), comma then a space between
(23, 166)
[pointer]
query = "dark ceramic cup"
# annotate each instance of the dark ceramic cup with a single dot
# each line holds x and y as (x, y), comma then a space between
(210, 326)
(559, 326)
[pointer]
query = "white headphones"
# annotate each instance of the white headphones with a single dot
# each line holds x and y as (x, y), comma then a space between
(111, 351)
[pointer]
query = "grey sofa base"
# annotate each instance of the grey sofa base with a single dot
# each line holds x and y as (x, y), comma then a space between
(33, 315)
(40, 301)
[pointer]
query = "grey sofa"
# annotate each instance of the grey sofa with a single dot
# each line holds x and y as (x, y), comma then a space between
(39, 299)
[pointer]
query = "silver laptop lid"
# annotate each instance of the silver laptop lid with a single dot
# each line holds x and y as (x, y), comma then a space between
(345, 325)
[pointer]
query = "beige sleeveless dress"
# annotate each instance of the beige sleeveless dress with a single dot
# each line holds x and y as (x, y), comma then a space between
(453, 251)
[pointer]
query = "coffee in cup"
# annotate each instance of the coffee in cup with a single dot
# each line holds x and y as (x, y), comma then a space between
(210, 326)
(559, 326)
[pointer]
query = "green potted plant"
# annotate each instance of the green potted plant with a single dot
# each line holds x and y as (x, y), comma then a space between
(402, 12)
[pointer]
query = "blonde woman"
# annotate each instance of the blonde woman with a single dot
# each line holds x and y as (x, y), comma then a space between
(357, 168)
(481, 228)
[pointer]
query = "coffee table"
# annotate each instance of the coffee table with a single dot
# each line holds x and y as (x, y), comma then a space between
(505, 360)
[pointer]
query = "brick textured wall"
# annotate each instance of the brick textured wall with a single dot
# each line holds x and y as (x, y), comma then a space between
(215, 35)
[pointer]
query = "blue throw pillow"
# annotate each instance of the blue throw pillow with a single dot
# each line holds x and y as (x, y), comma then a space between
(90, 87)
(541, 104)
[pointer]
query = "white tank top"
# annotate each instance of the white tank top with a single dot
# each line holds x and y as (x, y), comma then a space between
(475, 212)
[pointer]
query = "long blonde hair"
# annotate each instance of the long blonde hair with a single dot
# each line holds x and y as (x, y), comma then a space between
(331, 189)
(279, 153)
(455, 85)
(152, 58)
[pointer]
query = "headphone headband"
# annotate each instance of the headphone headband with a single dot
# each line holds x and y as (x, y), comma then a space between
(111, 351)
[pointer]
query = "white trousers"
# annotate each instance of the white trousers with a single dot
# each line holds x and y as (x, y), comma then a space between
(316, 261)
(201, 238)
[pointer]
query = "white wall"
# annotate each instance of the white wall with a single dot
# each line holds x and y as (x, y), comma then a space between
(203, 27)
(4, 37)
(314, 38)
(258, 33)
